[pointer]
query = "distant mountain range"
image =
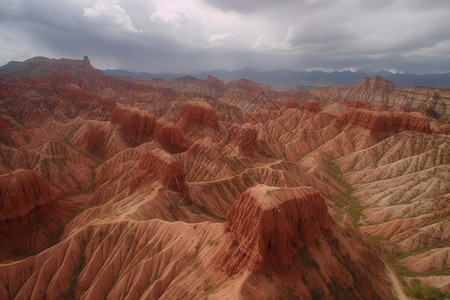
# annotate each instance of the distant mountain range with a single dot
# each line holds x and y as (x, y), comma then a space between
(304, 79)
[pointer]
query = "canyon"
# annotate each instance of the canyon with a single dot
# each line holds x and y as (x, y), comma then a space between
(134, 188)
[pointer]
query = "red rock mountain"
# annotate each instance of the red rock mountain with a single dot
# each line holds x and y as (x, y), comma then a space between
(387, 121)
(122, 188)
(269, 225)
(23, 194)
(434, 102)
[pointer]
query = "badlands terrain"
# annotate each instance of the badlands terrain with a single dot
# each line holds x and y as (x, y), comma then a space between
(116, 187)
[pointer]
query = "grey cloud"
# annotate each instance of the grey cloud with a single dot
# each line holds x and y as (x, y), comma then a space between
(420, 5)
(317, 34)
(370, 35)
(375, 5)
(245, 7)
(52, 13)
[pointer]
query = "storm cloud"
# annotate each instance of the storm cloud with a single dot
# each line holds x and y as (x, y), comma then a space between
(199, 35)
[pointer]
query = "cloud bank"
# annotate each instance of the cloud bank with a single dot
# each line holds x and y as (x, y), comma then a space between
(198, 35)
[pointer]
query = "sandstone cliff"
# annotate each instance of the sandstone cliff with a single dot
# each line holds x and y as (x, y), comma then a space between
(268, 226)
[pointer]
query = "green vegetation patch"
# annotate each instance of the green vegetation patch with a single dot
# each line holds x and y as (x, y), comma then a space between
(416, 290)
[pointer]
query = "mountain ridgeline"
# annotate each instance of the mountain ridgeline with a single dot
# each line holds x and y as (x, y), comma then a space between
(303, 79)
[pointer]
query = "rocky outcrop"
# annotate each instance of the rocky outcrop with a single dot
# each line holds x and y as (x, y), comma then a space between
(95, 139)
(153, 178)
(137, 125)
(22, 195)
(169, 135)
(376, 83)
(197, 113)
(211, 87)
(312, 105)
(247, 95)
(157, 165)
(244, 137)
(268, 225)
(40, 66)
(387, 121)
(372, 89)
(432, 102)
(292, 104)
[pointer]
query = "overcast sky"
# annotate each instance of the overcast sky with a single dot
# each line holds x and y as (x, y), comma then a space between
(201, 35)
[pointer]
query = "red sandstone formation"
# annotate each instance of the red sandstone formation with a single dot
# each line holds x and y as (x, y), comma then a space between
(355, 103)
(247, 95)
(292, 104)
(23, 194)
(376, 83)
(137, 125)
(268, 225)
(286, 232)
(432, 102)
(375, 87)
(159, 165)
(41, 66)
(95, 141)
(387, 121)
(209, 87)
(235, 196)
(311, 105)
(197, 114)
(170, 136)
(244, 137)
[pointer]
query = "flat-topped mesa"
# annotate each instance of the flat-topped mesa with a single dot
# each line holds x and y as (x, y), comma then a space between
(22, 194)
(42, 66)
(197, 113)
(268, 225)
(244, 137)
(390, 121)
(158, 165)
(377, 83)
(138, 125)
